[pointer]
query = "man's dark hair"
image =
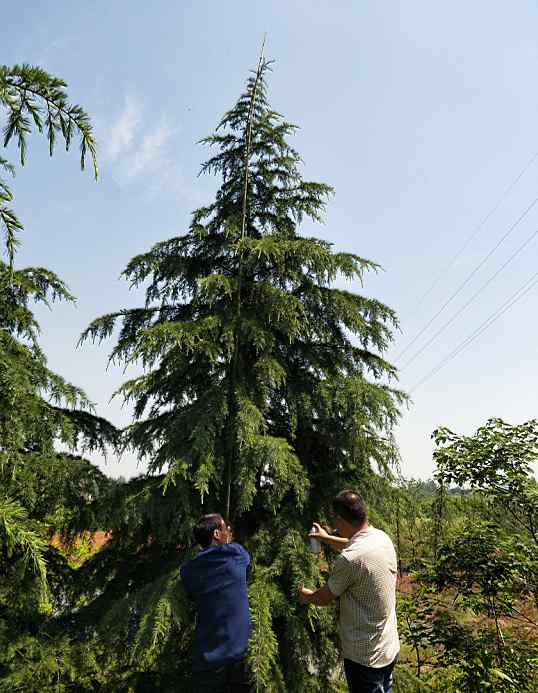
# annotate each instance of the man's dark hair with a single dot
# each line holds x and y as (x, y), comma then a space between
(350, 506)
(207, 524)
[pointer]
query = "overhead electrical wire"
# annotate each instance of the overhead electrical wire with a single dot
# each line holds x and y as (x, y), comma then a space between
(470, 300)
(469, 277)
(514, 298)
(477, 229)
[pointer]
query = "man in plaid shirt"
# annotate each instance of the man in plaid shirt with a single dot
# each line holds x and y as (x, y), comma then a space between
(363, 578)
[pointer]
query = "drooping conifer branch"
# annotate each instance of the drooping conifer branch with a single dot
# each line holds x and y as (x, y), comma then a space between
(29, 96)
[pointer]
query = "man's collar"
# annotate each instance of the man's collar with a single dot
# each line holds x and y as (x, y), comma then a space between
(358, 533)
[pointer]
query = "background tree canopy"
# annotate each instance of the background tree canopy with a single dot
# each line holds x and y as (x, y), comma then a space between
(41, 486)
(264, 391)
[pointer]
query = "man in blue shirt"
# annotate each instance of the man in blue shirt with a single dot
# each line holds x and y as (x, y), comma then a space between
(216, 579)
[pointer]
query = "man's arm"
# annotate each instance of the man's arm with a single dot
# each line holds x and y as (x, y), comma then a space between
(340, 579)
(321, 534)
(320, 597)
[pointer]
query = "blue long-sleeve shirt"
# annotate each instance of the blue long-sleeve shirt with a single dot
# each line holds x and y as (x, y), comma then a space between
(216, 579)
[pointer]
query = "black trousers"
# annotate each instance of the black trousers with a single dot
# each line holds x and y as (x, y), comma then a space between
(230, 678)
(361, 679)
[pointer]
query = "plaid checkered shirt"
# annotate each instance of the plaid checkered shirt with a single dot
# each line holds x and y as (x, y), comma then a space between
(364, 578)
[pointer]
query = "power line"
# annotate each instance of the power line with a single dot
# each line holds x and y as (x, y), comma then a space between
(477, 229)
(468, 303)
(469, 277)
(514, 298)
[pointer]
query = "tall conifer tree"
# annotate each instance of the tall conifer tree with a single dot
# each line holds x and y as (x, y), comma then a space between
(37, 407)
(41, 486)
(264, 391)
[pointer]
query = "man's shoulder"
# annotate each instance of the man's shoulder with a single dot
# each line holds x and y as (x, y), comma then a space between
(374, 535)
(364, 543)
(381, 536)
(235, 547)
(221, 550)
(238, 550)
(195, 563)
(187, 567)
(231, 549)
(206, 560)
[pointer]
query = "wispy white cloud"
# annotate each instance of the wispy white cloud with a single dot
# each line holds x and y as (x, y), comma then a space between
(121, 133)
(137, 151)
(148, 154)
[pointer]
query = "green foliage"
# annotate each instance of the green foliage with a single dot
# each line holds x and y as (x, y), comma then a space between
(496, 461)
(18, 537)
(484, 565)
(42, 488)
(31, 98)
(472, 664)
(37, 407)
(265, 598)
(469, 622)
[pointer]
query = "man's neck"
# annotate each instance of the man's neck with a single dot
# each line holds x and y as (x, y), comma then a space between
(355, 529)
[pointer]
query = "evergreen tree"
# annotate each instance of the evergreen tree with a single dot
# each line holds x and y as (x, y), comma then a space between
(41, 487)
(37, 407)
(264, 392)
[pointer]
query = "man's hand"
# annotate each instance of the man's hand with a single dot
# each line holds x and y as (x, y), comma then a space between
(318, 532)
(320, 597)
(321, 534)
(304, 593)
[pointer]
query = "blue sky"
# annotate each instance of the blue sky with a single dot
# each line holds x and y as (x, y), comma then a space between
(419, 114)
